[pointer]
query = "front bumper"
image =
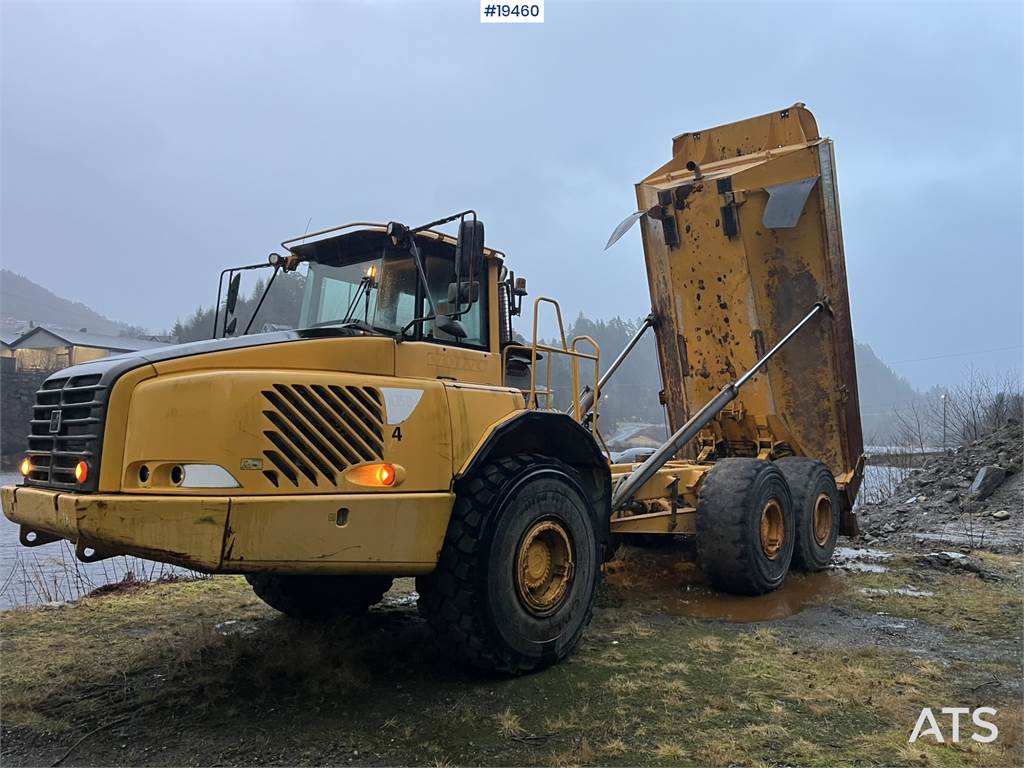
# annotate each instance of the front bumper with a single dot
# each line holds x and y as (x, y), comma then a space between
(392, 533)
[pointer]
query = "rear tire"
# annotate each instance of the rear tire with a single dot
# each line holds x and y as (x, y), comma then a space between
(816, 510)
(745, 526)
(518, 574)
(319, 598)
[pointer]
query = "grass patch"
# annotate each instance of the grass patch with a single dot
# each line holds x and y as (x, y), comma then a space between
(87, 653)
(959, 602)
(208, 659)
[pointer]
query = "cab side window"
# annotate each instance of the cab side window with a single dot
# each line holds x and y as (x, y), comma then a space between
(441, 274)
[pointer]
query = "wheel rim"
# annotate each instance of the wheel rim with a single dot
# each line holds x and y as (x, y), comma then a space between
(544, 567)
(822, 519)
(773, 529)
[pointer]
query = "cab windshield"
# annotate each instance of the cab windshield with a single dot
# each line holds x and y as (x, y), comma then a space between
(361, 278)
(380, 292)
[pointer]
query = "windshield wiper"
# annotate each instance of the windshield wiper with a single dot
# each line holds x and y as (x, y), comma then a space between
(365, 286)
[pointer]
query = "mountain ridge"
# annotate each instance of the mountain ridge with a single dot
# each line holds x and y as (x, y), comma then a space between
(24, 303)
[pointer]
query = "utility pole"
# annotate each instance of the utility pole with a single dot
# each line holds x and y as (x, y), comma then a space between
(943, 422)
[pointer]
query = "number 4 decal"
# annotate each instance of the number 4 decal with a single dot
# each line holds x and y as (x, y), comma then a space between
(397, 434)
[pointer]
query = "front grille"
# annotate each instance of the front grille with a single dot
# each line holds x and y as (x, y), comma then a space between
(66, 427)
(316, 432)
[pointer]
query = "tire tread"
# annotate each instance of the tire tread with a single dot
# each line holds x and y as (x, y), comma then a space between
(319, 597)
(800, 473)
(722, 527)
(447, 595)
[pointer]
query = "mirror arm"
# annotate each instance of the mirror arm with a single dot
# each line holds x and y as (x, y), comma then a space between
(220, 288)
(227, 299)
(415, 251)
(266, 291)
(216, 311)
(445, 220)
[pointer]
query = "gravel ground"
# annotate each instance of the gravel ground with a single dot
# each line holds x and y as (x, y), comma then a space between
(936, 505)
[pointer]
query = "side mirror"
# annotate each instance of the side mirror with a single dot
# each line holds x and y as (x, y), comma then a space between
(232, 299)
(469, 252)
(451, 326)
(463, 293)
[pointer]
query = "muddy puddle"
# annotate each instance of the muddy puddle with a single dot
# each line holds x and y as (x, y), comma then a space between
(860, 559)
(678, 587)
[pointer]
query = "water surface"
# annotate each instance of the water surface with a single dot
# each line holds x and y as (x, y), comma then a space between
(51, 573)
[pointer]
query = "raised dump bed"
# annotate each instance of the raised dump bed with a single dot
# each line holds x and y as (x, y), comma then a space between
(741, 237)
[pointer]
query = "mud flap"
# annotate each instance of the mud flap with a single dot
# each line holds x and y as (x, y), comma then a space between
(848, 523)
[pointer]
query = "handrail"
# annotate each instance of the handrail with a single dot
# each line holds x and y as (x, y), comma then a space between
(568, 348)
(577, 406)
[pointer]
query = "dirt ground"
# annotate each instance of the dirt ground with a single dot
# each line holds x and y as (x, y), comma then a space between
(935, 506)
(832, 670)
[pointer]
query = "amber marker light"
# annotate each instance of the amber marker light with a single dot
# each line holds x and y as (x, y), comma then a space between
(375, 475)
(385, 474)
(81, 472)
(26, 466)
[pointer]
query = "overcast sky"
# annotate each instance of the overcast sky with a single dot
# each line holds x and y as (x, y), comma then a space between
(145, 146)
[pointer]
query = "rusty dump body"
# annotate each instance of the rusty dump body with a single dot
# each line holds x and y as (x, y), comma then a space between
(742, 236)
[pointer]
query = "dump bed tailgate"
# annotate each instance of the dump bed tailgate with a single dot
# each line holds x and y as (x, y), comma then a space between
(742, 235)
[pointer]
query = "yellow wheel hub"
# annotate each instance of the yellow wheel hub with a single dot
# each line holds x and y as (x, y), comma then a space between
(822, 519)
(544, 566)
(773, 529)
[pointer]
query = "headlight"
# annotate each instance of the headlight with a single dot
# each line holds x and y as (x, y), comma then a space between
(207, 476)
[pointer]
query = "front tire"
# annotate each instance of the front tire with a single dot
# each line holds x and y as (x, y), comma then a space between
(518, 574)
(745, 526)
(319, 598)
(816, 509)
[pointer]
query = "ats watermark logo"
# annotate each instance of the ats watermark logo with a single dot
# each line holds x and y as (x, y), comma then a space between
(928, 725)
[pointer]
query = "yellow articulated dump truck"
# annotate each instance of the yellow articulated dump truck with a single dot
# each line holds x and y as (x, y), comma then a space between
(402, 430)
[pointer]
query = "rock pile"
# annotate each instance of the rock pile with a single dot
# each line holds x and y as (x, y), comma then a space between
(971, 498)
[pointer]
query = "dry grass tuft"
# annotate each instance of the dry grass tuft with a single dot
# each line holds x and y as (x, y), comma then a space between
(634, 629)
(764, 637)
(626, 684)
(581, 754)
(707, 644)
(766, 731)
(721, 748)
(669, 750)
(509, 724)
(915, 754)
(613, 747)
